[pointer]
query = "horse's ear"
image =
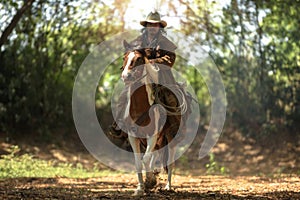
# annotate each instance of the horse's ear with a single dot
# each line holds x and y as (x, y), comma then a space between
(126, 45)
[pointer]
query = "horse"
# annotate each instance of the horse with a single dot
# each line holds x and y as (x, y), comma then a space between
(152, 126)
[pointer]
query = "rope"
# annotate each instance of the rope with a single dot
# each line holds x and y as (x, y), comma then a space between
(179, 94)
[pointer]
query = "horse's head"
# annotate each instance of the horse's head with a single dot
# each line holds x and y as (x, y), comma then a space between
(133, 63)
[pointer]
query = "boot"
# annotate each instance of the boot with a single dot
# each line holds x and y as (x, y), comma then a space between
(114, 130)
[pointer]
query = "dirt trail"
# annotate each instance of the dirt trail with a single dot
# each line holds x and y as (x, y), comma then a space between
(255, 169)
(122, 186)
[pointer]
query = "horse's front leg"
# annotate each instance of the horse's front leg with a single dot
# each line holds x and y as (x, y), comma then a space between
(148, 158)
(152, 140)
(135, 144)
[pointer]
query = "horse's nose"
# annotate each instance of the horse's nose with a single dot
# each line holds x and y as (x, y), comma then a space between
(123, 76)
(126, 76)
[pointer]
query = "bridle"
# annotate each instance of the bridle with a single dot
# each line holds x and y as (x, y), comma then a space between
(135, 74)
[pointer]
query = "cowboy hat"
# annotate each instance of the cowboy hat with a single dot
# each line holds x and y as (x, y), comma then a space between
(153, 17)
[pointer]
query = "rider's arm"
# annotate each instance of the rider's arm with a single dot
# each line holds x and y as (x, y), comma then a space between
(164, 57)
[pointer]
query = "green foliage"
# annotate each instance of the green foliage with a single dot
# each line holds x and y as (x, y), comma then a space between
(40, 60)
(256, 47)
(183, 160)
(254, 43)
(12, 166)
(213, 166)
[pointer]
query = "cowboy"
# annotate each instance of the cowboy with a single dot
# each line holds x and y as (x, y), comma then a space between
(160, 52)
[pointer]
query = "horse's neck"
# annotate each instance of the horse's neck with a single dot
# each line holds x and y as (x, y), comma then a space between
(140, 95)
(138, 103)
(150, 73)
(148, 83)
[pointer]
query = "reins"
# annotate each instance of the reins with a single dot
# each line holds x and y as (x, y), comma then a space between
(139, 79)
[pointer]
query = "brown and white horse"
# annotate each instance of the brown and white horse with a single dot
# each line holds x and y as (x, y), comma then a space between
(144, 121)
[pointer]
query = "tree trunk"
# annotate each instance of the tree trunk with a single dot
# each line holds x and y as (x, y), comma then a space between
(14, 22)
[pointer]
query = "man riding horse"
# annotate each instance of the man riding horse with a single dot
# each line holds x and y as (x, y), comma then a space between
(160, 52)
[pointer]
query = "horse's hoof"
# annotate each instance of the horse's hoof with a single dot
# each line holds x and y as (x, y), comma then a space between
(150, 185)
(150, 182)
(168, 187)
(138, 192)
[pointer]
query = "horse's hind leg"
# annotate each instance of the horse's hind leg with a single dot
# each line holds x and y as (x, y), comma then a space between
(171, 157)
(135, 144)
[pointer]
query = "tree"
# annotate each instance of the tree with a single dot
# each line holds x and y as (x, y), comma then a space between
(256, 48)
(40, 59)
(7, 31)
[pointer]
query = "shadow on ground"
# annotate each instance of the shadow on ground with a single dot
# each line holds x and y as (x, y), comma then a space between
(122, 186)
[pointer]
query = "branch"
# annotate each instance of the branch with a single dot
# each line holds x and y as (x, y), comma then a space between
(14, 21)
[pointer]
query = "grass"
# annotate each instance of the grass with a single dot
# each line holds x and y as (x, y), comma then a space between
(14, 166)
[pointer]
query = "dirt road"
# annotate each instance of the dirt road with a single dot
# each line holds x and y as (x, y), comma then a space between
(122, 186)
